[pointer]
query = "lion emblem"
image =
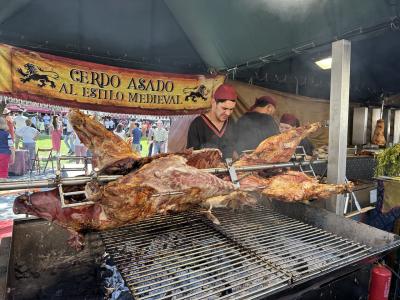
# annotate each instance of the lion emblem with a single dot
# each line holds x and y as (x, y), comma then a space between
(196, 92)
(35, 73)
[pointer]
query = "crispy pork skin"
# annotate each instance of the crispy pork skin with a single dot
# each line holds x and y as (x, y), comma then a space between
(379, 133)
(115, 156)
(162, 186)
(109, 150)
(278, 148)
(47, 205)
(293, 186)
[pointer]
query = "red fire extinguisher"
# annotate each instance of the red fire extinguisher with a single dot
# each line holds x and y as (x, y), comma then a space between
(380, 283)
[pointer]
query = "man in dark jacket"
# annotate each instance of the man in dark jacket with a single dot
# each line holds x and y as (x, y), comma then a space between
(215, 129)
(289, 121)
(256, 125)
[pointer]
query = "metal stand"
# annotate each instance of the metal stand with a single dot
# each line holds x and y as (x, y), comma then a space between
(350, 196)
(86, 160)
(301, 155)
(62, 194)
(232, 172)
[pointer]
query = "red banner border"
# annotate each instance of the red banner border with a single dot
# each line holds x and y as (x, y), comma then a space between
(102, 107)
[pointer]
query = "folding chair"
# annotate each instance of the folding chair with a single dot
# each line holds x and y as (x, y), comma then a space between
(38, 159)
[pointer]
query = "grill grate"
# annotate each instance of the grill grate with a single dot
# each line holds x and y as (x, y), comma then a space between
(298, 249)
(252, 253)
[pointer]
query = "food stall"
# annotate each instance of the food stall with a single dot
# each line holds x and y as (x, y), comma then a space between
(198, 242)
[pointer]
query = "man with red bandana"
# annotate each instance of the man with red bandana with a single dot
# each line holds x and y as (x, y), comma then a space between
(215, 129)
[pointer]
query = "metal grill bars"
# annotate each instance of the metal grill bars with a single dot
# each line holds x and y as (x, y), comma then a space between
(291, 245)
(252, 253)
(187, 260)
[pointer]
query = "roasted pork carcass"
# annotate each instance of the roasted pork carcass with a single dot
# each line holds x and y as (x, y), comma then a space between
(293, 186)
(278, 148)
(164, 185)
(115, 156)
(47, 205)
(379, 133)
(171, 185)
(109, 150)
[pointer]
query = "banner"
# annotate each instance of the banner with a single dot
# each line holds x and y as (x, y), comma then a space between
(61, 81)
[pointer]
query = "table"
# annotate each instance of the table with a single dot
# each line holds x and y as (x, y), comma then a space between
(21, 163)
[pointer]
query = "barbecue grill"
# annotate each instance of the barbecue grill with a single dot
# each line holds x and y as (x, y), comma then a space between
(270, 251)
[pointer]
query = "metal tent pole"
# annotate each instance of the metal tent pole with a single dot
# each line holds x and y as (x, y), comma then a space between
(338, 120)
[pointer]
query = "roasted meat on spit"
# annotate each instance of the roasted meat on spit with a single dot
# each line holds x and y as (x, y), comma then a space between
(293, 186)
(115, 156)
(164, 185)
(379, 133)
(278, 148)
(109, 150)
(168, 182)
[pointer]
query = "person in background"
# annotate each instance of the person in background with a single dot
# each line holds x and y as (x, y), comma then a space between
(160, 136)
(68, 136)
(40, 124)
(289, 121)
(214, 129)
(80, 149)
(120, 131)
(29, 135)
(109, 124)
(7, 152)
(34, 120)
(55, 130)
(150, 139)
(10, 123)
(46, 121)
(144, 129)
(256, 125)
(19, 122)
(136, 136)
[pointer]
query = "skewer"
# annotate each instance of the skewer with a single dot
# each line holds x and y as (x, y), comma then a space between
(68, 181)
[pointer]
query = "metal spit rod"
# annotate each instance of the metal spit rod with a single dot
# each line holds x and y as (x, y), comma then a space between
(54, 182)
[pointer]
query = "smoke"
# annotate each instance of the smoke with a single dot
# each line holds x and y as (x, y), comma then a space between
(287, 10)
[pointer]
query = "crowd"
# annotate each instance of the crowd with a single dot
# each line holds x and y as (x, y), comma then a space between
(20, 130)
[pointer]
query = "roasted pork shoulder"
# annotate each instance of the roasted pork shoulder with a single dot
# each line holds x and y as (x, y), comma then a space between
(293, 186)
(278, 148)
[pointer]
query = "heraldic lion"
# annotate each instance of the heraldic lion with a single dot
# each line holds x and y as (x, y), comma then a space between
(35, 73)
(197, 92)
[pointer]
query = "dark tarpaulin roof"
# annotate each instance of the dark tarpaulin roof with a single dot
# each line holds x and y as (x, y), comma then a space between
(137, 34)
(278, 37)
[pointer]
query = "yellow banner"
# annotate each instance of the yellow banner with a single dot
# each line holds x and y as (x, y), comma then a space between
(61, 81)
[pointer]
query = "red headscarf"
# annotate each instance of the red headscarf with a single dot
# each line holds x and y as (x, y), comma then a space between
(290, 119)
(225, 92)
(264, 101)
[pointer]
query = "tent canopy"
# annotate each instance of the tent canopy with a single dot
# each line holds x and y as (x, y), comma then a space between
(278, 39)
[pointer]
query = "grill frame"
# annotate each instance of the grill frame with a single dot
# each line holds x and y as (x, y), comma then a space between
(315, 219)
(339, 282)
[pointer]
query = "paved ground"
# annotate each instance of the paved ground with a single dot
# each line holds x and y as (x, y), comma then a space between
(7, 197)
